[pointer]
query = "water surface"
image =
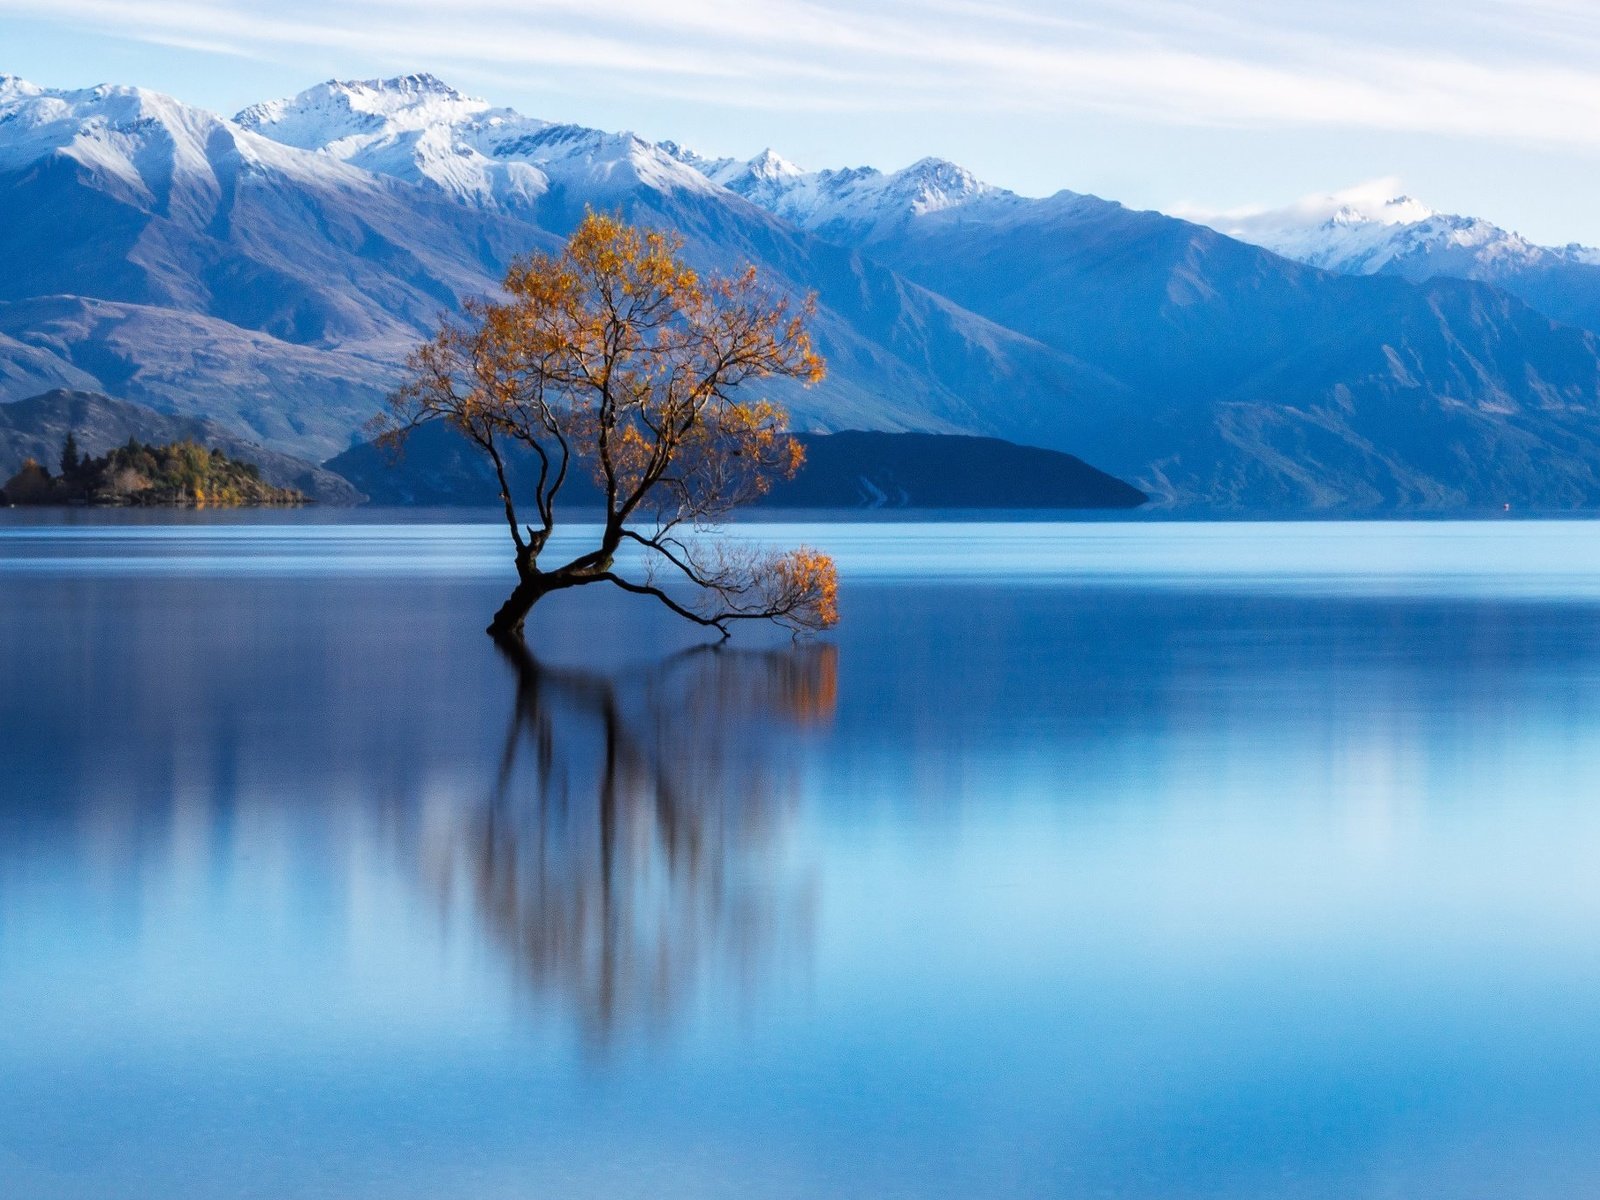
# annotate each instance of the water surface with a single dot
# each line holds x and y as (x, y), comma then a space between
(1132, 860)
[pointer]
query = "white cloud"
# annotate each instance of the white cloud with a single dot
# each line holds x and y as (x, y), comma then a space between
(1493, 69)
(1379, 202)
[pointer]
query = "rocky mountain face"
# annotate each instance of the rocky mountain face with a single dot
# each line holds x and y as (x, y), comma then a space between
(271, 270)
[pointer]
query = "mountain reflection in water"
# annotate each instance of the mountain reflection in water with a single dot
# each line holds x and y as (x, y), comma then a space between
(1163, 862)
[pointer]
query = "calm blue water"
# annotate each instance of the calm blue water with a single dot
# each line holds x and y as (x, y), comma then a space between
(1111, 860)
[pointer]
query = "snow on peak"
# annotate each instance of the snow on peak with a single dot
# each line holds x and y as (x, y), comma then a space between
(1376, 202)
(412, 127)
(939, 180)
(1327, 228)
(149, 147)
(417, 84)
(360, 111)
(12, 86)
(738, 174)
(1374, 228)
(865, 197)
(861, 198)
(769, 164)
(400, 94)
(420, 129)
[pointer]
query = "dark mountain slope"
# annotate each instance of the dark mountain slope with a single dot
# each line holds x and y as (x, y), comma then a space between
(852, 469)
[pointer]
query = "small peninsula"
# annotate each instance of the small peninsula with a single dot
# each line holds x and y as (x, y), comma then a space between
(183, 474)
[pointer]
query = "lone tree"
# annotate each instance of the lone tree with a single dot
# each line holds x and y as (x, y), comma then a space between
(616, 359)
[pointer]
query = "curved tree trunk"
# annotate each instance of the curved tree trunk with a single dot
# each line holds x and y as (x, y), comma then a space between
(509, 617)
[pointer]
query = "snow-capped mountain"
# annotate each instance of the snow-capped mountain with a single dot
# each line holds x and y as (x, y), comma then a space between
(854, 204)
(1291, 357)
(903, 357)
(271, 271)
(1370, 229)
(176, 189)
(203, 265)
(420, 129)
(1373, 230)
(150, 144)
(171, 256)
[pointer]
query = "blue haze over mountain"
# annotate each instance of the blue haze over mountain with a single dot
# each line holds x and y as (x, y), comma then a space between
(271, 271)
(1372, 229)
(1253, 380)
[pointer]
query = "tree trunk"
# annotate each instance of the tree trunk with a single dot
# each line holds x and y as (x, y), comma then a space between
(510, 616)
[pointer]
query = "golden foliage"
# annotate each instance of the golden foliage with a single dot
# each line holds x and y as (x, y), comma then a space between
(807, 582)
(617, 358)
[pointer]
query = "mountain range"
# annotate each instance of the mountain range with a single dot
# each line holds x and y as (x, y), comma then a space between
(270, 271)
(1373, 230)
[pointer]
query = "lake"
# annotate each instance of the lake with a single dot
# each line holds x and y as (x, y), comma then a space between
(1110, 859)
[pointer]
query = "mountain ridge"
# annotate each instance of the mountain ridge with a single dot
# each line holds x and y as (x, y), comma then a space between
(1372, 230)
(202, 265)
(354, 265)
(1257, 379)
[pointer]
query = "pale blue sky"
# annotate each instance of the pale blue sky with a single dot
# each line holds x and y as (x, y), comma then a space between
(1484, 106)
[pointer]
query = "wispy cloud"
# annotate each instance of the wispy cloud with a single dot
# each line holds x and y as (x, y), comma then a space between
(1526, 70)
(1369, 194)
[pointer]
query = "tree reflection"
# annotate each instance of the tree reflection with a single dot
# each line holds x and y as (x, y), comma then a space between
(631, 846)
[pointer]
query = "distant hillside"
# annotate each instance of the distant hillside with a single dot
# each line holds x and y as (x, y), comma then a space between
(37, 427)
(856, 469)
(843, 470)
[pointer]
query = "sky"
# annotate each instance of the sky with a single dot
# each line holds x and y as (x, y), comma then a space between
(1487, 107)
